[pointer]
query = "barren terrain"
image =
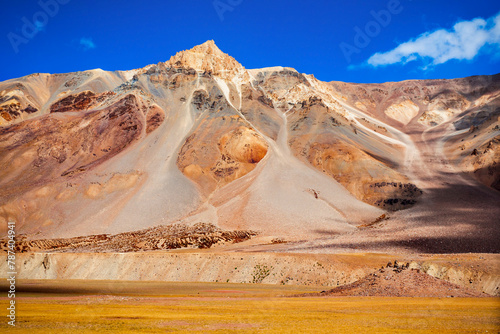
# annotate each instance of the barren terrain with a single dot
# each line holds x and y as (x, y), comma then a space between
(201, 139)
(277, 193)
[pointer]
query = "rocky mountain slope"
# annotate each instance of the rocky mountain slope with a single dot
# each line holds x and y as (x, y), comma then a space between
(199, 138)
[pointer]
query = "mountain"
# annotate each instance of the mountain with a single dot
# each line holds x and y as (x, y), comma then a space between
(199, 138)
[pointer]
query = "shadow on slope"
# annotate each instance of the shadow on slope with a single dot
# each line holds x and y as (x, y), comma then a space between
(451, 218)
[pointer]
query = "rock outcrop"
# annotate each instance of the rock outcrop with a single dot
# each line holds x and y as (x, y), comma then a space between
(175, 236)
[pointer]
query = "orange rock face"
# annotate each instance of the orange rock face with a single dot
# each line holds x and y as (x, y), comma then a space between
(234, 155)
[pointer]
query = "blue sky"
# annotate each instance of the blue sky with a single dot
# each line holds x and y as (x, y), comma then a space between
(354, 41)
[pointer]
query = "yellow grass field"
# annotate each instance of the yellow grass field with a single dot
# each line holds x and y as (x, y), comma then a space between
(159, 307)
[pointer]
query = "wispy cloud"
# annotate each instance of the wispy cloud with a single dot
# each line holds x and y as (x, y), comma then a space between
(464, 42)
(39, 25)
(87, 43)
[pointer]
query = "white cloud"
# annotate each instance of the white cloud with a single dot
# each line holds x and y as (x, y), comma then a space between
(39, 25)
(87, 43)
(463, 42)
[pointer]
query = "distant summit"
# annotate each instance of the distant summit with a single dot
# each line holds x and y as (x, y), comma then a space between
(207, 57)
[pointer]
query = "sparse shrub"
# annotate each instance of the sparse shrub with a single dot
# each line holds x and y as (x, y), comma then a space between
(260, 272)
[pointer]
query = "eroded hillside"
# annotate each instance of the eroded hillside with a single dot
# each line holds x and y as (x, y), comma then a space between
(199, 138)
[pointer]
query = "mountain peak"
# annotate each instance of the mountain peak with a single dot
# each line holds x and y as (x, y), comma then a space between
(208, 47)
(207, 57)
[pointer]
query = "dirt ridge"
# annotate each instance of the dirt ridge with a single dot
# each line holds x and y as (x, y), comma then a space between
(201, 235)
(398, 280)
